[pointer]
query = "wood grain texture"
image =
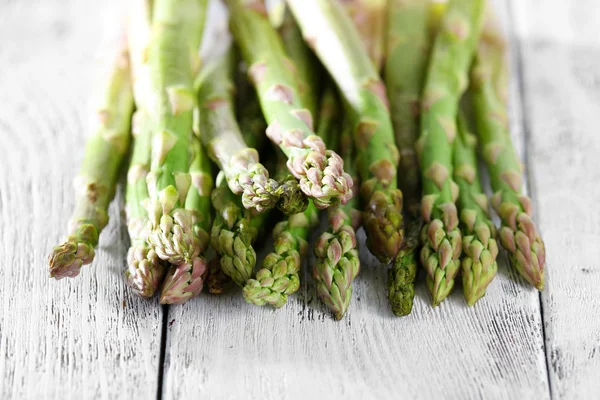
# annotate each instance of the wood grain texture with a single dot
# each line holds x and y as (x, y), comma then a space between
(561, 64)
(86, 338)
(222, 348)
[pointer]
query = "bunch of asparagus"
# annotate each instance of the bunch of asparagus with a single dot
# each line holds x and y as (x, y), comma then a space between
(313, 87)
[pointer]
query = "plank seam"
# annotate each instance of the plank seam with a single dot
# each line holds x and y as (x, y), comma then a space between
(520, 73)
(163, 351)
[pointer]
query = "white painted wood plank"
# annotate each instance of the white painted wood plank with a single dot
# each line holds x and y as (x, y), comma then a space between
(86, 338)
(222, 348)
(561, 61)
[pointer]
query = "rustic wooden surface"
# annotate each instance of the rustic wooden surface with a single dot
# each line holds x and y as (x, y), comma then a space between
(91, 338)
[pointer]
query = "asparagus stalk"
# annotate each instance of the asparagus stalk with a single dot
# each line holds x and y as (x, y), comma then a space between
(328, 29)
(306, 72)
(222, 136)
(145, 270)
(97, 178)
(291, 198)
(369, 17)
(233, 233)
(480, 249)
(186, 280)
(307, 66)
(446, 81)
(278, 278)
(408, 41)
(518, 233)
(406, 63)
(171, 102)
(320, 171)
(337, 262)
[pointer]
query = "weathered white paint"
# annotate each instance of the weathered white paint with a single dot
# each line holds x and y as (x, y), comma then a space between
(223, 348)
(86, 338)
(90, 338)
(561, 63)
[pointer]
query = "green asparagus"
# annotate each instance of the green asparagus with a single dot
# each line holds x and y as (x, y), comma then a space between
(186, 280)
(307, 66)
(336, 251)
(95, 185)
(320, 171)
(233, 233)
(408, 41)
(480, 249)
(145, 271)
(446, 81)
(518, 233)
(291, 198)
(369, 17)
(406, 64)
(170, 103)
(222, 136)
(329, 31)
(278, 278)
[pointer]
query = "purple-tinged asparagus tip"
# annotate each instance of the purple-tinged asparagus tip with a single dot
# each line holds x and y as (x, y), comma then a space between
(145, 271)
(183, 282)
(67, 259)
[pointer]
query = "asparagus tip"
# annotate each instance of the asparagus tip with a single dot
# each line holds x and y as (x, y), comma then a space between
(67, 259)
(384, 225)
(322, 177)
(337, 263)
(292, 200)
(401, 282)
(144, 272)
(183, 282)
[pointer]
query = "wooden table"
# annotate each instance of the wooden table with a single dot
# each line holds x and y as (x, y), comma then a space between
(90, 338)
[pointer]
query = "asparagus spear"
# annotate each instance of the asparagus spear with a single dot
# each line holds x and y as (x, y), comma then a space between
(278, 278)
(170, 103)
(222, 136)
(291, 199)
(233, 233)
(328, 29)
(145, 270)
(369, 17)
(307, 66)
(306, 71)
(186, 280)
(446, 81)
(406, 62)
(320, 171)
(337, 262)
(97, 179)
(479, 245)
(518, 233)
(408, 42)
